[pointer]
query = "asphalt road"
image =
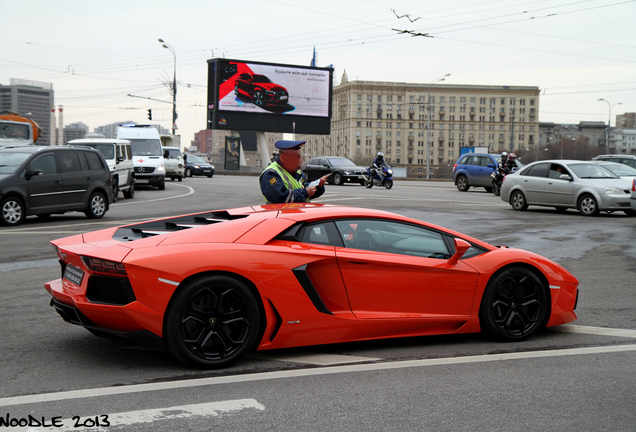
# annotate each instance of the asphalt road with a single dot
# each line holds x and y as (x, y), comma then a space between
(578, 377)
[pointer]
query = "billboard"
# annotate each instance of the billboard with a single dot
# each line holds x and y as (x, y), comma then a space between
(268, 97)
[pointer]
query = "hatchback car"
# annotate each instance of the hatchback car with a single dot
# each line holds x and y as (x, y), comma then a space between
(260, 89)
(42, 181)
(564, 184)
(342, 169)
(475, 170)
(195, 165)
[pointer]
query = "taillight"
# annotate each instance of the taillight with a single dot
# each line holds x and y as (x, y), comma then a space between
(634, 185)
(106, 267)
(454, 166)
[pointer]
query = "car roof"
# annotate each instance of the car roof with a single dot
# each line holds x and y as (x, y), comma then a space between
(98, 141)
(36, 149)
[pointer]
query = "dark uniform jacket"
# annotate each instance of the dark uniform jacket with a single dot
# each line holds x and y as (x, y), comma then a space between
(275, 191)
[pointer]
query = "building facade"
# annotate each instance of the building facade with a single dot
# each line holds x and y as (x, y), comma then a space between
(401, 120)
(551, 133)
(622, 141)
(30, 99)
(75, 131)
(626, 121)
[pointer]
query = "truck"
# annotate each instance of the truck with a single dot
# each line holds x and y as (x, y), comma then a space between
(17, 130)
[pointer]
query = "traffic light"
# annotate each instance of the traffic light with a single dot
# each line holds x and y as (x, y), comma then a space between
(149, 114)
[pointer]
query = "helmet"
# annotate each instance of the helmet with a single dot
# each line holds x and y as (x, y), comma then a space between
(504, 156)
(512, 157)
(380, 155)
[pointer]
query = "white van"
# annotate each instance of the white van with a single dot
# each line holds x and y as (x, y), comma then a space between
(147, 154)
(118, 155)
(173, 161)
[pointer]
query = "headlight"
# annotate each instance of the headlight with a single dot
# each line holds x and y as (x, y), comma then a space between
(161, 168)
(212, 166)
(196, 166)
(613, 191)
(390, 172)
(270, 92)
(346, 173)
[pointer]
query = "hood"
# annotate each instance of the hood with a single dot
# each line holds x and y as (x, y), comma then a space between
(624, 183)
(272, 87)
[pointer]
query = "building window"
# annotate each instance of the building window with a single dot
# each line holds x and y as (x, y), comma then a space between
(359, 97)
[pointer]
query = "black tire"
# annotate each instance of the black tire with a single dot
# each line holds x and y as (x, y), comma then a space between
(130, 193)
(518, 201)
(588, 206)
(13, 211)
(561, 209)
(115, 188)
(515, 305)
(495, 188)
(462, 183)
(97, 206)
(180, 178)
(488, 189)
(188, 172)
(388, 184)
(162, 186)
(209, 176)
(171, 178)
(212, 321)
(368, 183)
(337, 179)
(630, 212)
(258, 98)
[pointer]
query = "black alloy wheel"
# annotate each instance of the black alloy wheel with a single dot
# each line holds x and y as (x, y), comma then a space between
(13, 211)
(515, 305)
(462, 183)
(97, 205)
(258, 98)
(337, 179)
(212, 321)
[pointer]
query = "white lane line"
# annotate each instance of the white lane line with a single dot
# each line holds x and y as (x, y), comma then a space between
(191, 191)
(154, 415)
(139, 388)
(601, 331)
(315, 358)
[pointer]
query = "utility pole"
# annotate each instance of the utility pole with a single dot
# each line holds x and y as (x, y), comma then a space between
(428, 126)
(609, 119)
(512, 130)
(174, 86)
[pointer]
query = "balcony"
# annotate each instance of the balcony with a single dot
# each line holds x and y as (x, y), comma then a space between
(410, 147)
(502, 114)
(440, 139)
(442, 112)
(471, 140)
(411, 138)
(378, 146)
(531, 113)
(472, 112)
(501, 140)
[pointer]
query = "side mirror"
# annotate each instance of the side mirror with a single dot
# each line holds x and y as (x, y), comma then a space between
(33, 173)
(565, 177)
(491, 165)
(461, 246)
(120, 159)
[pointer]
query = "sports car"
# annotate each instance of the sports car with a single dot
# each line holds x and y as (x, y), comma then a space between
(211, 286)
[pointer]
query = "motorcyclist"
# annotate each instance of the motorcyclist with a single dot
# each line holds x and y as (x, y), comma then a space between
(379, 161)
(503, 165)
(511, 162)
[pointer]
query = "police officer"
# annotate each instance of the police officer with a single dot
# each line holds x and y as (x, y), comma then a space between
(282, 181)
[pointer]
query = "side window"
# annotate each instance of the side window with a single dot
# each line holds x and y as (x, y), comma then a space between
(538, 170)
(82, 160)
(93, 161)
(556, 171)
(323, 162)
(484, 161)
(323, 233)
(120, 152)
(69, 162)
(392, 237)
(46, 163)
(128, 152)
(629, 162)
(464, 160)
(474, 160)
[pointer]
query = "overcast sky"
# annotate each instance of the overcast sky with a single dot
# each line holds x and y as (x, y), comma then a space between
(97, 52)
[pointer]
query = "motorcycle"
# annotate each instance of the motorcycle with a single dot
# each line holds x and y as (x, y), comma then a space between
(498, 178)
(378, 176)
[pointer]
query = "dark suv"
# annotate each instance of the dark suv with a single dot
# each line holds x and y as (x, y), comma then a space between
(260, 89)
(42, 181)
(475, 169)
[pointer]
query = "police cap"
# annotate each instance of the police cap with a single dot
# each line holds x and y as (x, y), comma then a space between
(289, 145)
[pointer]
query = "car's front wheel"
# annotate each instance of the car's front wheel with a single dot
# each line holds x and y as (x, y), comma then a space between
(337, 179)
(518, 201)
(13, 211)
(212, 321)
(515, 305)
(130, 193)
(258, 98)
(462, 183)
(188, 172)
(588, 206)
(96, 206)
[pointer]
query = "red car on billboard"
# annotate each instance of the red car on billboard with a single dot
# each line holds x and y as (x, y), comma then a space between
(209, 287)
(260, 89)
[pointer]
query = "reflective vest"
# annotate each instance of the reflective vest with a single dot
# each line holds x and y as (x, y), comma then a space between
(289, 180)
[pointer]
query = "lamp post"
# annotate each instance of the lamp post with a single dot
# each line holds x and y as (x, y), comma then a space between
(428, 126)
(174, 85)
(609, 118)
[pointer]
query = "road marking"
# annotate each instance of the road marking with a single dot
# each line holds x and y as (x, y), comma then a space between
(314, 358)
(22, 265)
(190, 192)
(231, 379)
(153, 415)
(601, 331)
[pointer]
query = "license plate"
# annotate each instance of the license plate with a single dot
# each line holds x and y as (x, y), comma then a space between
(141, 181)
(207, 170)
(73, 274)
(283, 98)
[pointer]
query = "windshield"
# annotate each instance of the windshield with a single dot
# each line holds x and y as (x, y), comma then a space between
(341, 162)
(260, 79)
(108, 150)
(621, 170)
(14, 131)
(591, 171)
(195, 159)
(145, 147)
(10, 162)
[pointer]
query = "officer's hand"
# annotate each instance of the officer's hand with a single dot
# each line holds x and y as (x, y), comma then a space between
(323, 180)
(311, 190)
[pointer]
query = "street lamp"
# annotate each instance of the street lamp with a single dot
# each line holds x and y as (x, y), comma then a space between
(428, 126)
(174, 85)
(609, 118)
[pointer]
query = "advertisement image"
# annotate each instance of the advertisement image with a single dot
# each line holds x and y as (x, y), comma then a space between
(262, 88)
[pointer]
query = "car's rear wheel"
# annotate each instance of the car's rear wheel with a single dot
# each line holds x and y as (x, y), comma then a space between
(337, 179)
(115, 188)
(96, 206)
(515, 305)
(212, 321)
(518, 201)
(462, 183)
(588, 206)
(13, 212)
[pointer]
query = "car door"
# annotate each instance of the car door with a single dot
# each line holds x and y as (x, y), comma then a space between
(483, 176)
(74, 179)
(472, 170)
(558, 190)
(121, 167)
(533, 181)
(397, 270)
(311, 168)
(44, 190)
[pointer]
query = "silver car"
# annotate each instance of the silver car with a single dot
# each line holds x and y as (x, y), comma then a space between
(565, 184)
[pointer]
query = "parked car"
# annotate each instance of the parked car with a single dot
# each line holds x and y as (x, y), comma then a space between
(621, 170)
(624, 159)
(260, 89)
(118, 156)
(197, 166)
(475, 169)
(632, 199)
(565, 184)
(42, 181)
(174, 163)
(342, 169)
